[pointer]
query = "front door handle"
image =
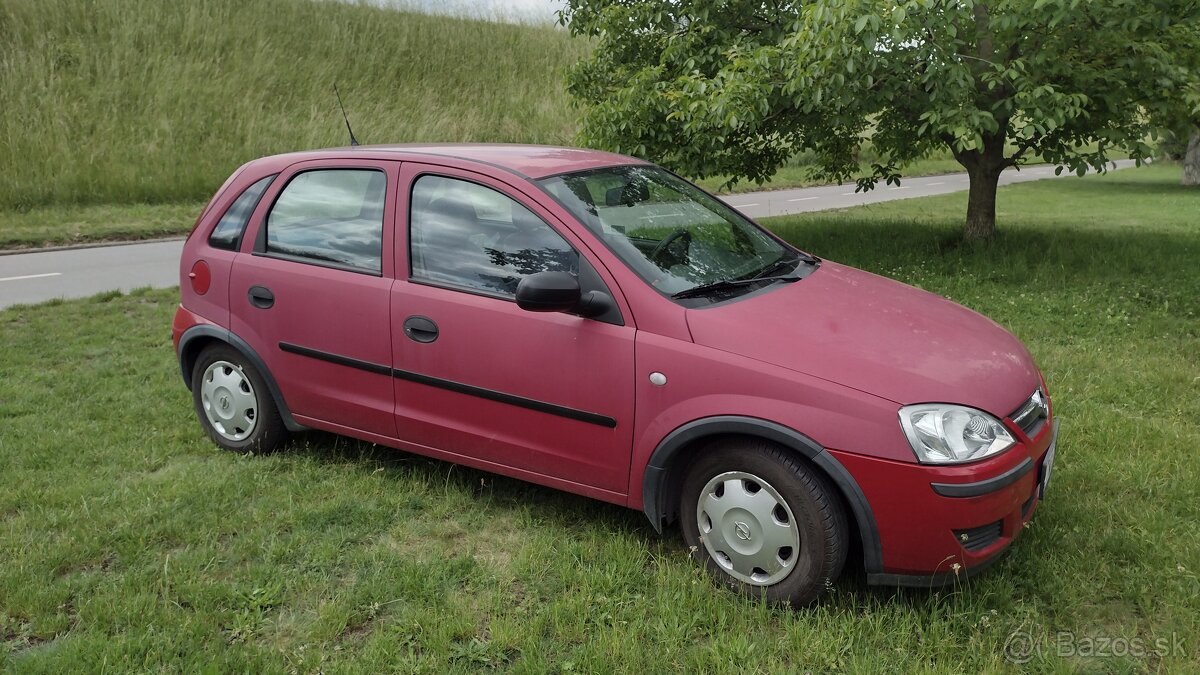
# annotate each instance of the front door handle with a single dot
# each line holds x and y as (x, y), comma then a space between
(261, 297)
(420, 329)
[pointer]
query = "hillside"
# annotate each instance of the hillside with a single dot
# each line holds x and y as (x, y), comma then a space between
(123, 101)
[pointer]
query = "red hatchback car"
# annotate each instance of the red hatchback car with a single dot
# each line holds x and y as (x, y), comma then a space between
(594, 323)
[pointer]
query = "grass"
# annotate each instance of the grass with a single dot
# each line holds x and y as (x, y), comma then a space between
(131, 543)
(141, 101)
(796, 173)
(74, 224)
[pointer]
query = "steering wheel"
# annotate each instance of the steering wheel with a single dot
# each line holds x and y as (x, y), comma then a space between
(677, 235)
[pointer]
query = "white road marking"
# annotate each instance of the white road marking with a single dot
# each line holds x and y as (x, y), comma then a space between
(902, 187)
(847, 194)
(32, 276)
(940, 182)
(742, 206)
(803, 199)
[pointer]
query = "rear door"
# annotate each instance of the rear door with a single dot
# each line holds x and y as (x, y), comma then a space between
(543, 396)
(311, 295)
(209, 252)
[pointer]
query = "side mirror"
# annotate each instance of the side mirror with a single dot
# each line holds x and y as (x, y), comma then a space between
(560, 292)
(548, 292)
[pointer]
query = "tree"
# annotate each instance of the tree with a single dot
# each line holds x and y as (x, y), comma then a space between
(736, 87)
(1191, 160)
(1178, 111)
(1187, 112)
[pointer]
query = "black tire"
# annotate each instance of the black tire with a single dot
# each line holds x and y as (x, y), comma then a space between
(244, 390)
(808, 508)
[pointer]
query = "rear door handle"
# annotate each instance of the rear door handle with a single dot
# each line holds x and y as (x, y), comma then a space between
(261, 297)
(420, 329)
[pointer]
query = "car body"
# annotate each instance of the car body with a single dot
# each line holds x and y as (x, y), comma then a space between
(573, 328)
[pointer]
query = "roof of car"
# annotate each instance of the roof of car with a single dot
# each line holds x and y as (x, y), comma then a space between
(532, 161)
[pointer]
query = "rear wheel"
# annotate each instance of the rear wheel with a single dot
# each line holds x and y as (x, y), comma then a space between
(763, 522)
(233, 402)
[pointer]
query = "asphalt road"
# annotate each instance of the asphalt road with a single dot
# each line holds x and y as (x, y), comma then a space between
(802, 200)
(28, 278)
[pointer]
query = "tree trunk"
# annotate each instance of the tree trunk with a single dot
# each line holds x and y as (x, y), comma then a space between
(983, 168)
(981, 201)
(1191, 161)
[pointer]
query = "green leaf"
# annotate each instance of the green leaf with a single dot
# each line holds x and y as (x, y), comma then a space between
(896, 73)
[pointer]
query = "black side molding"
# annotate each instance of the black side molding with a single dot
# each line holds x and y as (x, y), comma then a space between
(983, 487)
(335, 358)
(451, 385)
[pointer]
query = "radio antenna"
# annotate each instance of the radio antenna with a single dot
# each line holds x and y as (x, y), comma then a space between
(353, 140)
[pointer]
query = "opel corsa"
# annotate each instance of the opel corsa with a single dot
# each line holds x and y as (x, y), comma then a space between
(594, 323)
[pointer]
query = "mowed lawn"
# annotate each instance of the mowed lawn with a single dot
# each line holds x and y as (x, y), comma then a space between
(129, 542)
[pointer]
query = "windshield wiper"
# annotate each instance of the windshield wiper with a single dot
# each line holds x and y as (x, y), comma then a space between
(777, 266)
(723, 284)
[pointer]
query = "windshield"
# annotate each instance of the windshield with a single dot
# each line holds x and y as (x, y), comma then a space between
(671, 233)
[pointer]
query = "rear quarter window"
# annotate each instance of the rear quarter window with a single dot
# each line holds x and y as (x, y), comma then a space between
(228, 232)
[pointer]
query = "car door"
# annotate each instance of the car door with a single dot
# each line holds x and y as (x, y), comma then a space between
(311, 291)
(543, 396)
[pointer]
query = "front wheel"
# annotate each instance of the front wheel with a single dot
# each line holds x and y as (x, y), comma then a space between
(233, 402)
(763, 522)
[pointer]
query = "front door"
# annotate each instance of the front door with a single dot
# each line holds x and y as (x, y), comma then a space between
(543, 396)
(312, 295)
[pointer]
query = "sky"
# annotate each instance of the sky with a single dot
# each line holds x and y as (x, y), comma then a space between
(519, 10)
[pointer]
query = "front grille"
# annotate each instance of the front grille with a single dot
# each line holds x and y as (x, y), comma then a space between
(1032, 414)
(979, 538)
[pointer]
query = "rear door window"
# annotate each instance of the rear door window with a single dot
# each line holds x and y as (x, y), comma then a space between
(330, 217)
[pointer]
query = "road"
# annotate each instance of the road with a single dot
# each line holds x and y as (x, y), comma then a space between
(803, 200)
(27, 278)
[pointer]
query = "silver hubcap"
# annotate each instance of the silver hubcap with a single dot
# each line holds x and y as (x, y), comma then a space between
(748, 528)
(229, 401)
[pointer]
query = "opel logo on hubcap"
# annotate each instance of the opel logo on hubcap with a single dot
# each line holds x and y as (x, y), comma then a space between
(224, 403)
(742, 531)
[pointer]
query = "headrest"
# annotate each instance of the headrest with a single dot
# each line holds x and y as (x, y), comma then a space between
(628, 194)
(452, 209)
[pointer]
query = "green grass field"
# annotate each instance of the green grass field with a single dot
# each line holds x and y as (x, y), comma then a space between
(140, 101)
(75, 224)
(130, 543)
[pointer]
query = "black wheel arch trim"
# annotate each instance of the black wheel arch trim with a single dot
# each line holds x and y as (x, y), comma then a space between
(654, 487)
(186, 362)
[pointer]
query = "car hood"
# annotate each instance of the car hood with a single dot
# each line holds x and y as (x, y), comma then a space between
(875, 335)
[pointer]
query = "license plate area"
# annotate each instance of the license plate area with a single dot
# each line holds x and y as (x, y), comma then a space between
(1047, 467)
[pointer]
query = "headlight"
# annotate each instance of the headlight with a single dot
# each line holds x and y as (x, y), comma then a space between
(941, 433)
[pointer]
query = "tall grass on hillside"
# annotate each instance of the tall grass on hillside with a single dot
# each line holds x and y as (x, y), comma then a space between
(124, 101)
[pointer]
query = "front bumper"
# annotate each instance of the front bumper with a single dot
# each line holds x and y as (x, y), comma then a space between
(940, 524)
